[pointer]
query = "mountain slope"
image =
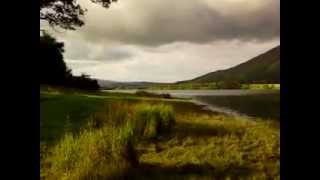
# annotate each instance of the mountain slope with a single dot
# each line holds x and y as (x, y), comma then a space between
(263, 68)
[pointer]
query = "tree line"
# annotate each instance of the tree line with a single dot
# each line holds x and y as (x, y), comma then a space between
(53, 69)
(65, 14)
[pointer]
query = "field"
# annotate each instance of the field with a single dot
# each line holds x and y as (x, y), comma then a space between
(117, 136)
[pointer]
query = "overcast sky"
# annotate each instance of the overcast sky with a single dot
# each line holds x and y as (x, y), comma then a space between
(167, 41)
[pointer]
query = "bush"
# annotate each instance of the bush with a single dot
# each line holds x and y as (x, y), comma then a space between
(82, 82)
(228, 85)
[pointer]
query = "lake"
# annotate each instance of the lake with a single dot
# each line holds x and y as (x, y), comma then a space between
(250, 103)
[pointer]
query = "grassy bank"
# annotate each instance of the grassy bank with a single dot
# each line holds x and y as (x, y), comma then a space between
(213, 85)
(116, 137)
(62, 109)
(58, 112)
(211, 147)
(108, 137)
(261, 86)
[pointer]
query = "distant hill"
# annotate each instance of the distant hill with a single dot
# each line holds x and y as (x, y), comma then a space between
(264, 68)
(107, 84)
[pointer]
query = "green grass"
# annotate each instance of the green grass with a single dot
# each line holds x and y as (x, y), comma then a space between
(209, 147)
(59, 112)
(68, 110)
(107, 150)
(149, 94)
(261, 86)
(212, 85)
(114, 137)
(94, 154)
(153, 120)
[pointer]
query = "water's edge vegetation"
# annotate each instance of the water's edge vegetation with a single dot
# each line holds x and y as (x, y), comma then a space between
(216, 85)
(194, 86)
(99, 135)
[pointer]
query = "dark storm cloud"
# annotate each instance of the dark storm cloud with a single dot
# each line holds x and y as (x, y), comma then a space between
(173, 40)
(146, 22)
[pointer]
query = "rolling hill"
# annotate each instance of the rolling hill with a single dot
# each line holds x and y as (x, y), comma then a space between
(264, 68)
(107, 84)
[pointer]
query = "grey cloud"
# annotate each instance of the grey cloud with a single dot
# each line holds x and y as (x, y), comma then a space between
(184, 61)
(79, 50)
(151, 23)
(154, 40)
(113, 54)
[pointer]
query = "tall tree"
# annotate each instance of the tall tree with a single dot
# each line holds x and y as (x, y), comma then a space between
(66, 14)
(53, 69)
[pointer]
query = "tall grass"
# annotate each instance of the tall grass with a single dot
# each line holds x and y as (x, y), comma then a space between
(115, 145)
(210, 147)
(91, 155)
(105, 148)
(153, 120)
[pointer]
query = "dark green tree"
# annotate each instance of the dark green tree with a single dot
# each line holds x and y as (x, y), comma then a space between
(52, 67)
(229, 84)
(66, 14)
(53, 70)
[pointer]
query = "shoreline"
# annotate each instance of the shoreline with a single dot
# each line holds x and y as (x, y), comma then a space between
(219, 110)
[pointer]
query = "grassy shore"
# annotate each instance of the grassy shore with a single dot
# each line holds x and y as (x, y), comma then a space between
(114, 136)
(213, 85)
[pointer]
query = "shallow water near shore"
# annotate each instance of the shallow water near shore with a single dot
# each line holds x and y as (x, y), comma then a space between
(250, 103)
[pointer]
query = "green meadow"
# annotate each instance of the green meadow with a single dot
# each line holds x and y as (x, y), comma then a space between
(98, 135)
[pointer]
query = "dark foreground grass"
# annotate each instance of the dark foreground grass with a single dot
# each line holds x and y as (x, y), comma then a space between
(69, 110)
(61, 112)
(132, 139)
(122, 95)
(105, 149)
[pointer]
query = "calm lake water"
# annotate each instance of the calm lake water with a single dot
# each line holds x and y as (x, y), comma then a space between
(251, 103)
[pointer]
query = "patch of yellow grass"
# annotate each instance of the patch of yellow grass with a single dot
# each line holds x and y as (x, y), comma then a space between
(221, 146)
(197, 147)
